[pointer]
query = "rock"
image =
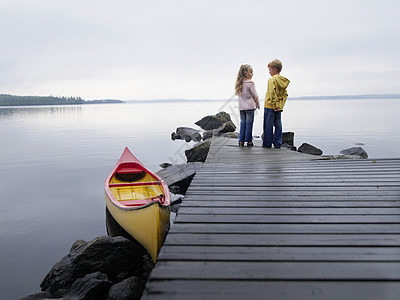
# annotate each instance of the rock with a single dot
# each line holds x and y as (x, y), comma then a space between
(288, 138)
(290, 147)
(165, 165)
(188, 134)
(179, 177)
(309, 149)
(175, 189)
(109, 255)
(226, 127)
(232, 135)
(77, 244)
(214, 121)
(92, 286)
(332, 157)
(175, 136)
(199, 152)
(358, 151)
(126, 290)
(208, 135)
(38, 296)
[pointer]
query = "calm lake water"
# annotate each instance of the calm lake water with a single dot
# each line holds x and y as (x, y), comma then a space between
(54, 160)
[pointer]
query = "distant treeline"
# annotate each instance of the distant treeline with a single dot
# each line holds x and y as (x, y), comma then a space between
(10, 100)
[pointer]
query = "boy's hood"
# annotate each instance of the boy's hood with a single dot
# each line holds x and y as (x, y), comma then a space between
(282, 82)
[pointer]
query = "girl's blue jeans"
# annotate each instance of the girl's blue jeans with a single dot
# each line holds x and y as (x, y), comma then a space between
(272, 119)
(246, 125)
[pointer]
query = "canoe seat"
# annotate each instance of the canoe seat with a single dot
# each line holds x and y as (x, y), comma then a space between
(140, 202)
(135, 183)
(131, 170)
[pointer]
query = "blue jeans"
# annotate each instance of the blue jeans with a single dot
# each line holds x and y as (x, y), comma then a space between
(246, 125)
(272, 119)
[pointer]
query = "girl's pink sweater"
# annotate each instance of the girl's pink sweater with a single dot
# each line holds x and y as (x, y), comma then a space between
(248, 98)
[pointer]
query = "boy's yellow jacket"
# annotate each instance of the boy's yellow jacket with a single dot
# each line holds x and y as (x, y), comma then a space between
(276, 95)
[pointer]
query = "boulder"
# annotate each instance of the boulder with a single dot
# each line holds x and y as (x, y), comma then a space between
(288, 138)
(92, 286)
(290, 147)
(188, 134)
(224, 128)
(37, 296)
(179, 177)
(213, 121)
(309, 149)
(207, 135)
(199, 152)
(127, 289)
(333, 157)
(355, 151)
(112, 256)
(165, 165)
(232, 135)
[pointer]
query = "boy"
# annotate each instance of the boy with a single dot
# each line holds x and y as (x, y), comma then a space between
(275, 100)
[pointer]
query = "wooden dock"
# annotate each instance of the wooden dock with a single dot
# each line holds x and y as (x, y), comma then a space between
(277, 224)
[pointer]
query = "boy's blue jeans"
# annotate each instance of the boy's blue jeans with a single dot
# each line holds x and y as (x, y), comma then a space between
(246, 126)
(272, 119)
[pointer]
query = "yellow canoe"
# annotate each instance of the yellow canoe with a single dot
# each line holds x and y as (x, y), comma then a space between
(139, 201)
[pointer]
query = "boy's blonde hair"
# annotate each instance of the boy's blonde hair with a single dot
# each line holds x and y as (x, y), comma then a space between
(276, 63)
(240, 78)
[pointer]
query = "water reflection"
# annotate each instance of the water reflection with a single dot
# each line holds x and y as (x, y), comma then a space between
(60, 110)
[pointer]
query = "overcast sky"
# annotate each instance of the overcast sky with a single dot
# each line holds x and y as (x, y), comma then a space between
(126, 49)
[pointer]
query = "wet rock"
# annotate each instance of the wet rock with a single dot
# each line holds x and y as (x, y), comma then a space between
(126, 290)
(38, 296)
(355, 151)
(199, 152)
(92, 286)
(290, 147)
(109, 255)
(213, 121)
(179, 177)
(232, 135)
(186, 133)
(288, 138)
(309, 149)
(332, 157)
(165, 165)
(208, 135)
(175, 136)
(224, 128)
(77, 244)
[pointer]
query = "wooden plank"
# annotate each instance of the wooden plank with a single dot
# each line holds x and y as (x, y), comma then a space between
(290, 210)
(238, 202)
(287, 228)
(276, 270)
(240, 197)
(279, 253)
(287, 219)
(265, 239)
(298, 290)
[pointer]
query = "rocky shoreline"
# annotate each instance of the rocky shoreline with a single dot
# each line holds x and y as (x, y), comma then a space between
(115, 267)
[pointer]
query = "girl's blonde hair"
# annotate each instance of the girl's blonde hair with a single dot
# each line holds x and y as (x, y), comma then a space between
(240, 77)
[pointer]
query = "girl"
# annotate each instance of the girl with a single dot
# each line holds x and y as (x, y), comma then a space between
(248, 102)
